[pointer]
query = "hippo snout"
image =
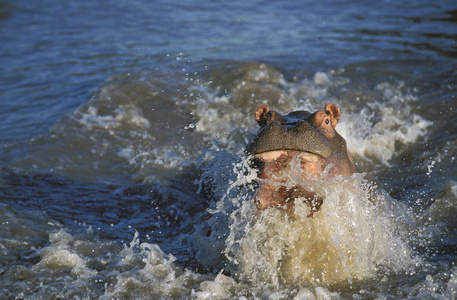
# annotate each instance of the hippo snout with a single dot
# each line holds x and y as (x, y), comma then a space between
(298, 136)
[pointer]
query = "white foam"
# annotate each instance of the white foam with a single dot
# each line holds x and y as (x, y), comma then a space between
(132, 115)
(216, 288)
(321, 78)
(125, 114)
(146, 271)
(127, 153)
(383, 128)
(216, 119)
(91, 119)
(59, 255)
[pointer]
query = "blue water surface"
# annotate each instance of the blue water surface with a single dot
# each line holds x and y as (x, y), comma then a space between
(55, 52)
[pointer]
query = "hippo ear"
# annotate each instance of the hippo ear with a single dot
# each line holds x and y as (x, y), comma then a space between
(334, 112)
(260, 114)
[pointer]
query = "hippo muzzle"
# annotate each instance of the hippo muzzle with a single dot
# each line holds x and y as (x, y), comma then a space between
(310, 138)
(299, 136)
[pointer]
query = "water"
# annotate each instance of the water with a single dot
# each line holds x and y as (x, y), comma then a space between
(123, 126)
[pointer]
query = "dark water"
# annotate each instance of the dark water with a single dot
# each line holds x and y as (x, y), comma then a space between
(122, 132)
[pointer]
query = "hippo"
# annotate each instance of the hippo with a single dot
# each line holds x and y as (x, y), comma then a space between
(309, 137)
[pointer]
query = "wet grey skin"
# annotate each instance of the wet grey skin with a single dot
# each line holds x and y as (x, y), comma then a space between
(299, 136)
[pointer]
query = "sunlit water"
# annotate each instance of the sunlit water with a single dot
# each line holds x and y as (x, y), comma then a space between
(122, 136)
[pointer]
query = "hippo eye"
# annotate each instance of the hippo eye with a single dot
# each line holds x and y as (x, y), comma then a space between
(327, 121)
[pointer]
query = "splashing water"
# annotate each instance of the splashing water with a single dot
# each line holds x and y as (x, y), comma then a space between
(351, 238)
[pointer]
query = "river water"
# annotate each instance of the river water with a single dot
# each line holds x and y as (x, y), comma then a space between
(123, 126)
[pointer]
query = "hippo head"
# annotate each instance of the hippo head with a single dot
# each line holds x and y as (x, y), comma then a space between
(309, 137)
